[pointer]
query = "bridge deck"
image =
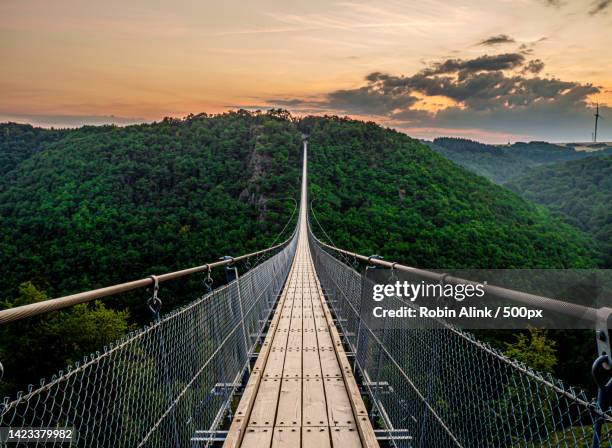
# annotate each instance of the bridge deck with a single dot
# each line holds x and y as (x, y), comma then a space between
(301, 391)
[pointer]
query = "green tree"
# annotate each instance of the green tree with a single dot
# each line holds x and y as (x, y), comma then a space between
(36, 347)
(535, 349)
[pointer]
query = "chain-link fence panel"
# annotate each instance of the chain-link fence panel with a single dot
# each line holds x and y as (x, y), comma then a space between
(446, 388)
(158, 385)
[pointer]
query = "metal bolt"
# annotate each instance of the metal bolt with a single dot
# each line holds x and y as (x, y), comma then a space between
(602, 335)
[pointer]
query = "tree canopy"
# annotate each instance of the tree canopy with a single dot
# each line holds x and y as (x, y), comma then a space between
(89, 207)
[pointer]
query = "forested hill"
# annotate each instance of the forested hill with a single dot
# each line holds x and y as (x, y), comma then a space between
(18, 142)
(580, 191)
(94, 206)
(89, 207)
(379, 191)
(500, 163)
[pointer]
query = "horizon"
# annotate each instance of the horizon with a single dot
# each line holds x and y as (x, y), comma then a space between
(493, 72)
(107, 121)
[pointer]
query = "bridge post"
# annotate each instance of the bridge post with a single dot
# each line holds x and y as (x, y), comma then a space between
(602, 369)
(230, 275)
(247, 350)
(365, 275)
(154, 303)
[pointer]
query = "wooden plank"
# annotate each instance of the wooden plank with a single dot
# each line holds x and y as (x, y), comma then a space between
(339, 409)
(257, 438)
(363, 424)
(293, 363)
(310, 339)
(286, 437)
(324, 339)
(316, 437)
(314, 411)
(290, 403)
(280, 338)
(274, 366)
(311, 364)
(264, 409)
(295, 339)
(237, 428)
(285, 320)
(329, 364)
(345, 437)
(309, 324)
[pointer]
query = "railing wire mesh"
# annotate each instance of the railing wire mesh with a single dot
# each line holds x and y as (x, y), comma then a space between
(448, 389)
(158, 385)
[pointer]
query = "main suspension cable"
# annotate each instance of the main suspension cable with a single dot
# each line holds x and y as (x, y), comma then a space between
(325, 233)
(282, 230)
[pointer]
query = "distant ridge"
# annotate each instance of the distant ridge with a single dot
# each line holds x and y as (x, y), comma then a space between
(499, 163)
(564, 187)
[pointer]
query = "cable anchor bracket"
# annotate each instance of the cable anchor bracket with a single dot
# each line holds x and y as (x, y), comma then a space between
(154, 302)
(208, 281)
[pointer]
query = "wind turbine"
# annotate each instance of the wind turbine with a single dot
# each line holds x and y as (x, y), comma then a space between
(596, 120)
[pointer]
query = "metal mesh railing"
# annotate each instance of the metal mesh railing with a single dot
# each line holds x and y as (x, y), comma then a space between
(445, 388)
(158, 385)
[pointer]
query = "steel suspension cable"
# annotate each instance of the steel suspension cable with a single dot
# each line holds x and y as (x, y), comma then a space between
(282, 230)
(323, 230)
(33, 309)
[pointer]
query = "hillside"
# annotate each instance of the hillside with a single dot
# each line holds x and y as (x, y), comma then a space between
(89, 207)
(107, 204)
(579, 191)
(18, 142)
(86, 208)
(92, 206)
(378, 191)
(500, 163)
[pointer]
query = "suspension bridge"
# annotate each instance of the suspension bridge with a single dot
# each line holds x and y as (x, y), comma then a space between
(280, 357)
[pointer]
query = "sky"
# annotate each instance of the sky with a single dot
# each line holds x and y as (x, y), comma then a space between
(496, 71)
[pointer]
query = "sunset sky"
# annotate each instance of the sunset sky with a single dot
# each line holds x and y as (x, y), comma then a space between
(492, 70)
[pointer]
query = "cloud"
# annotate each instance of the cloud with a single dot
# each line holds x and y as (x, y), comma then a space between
(481, 90)
(501, 93)
(528, 48)
(503, 61)
(555, 3)
(289, 102)
(496, 40)
(599, 6)
(534, 66)
(371, 99)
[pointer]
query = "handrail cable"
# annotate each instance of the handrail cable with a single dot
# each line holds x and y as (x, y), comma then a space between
(579, 311)
(33, 309)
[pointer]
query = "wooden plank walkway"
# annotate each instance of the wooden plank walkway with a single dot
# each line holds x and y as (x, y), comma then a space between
(301, 391)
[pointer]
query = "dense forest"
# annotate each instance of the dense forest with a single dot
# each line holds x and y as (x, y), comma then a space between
(88, 207)
(578, 191)
(18, 142)
(103, 205)
(500, 163)
(376, 190)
